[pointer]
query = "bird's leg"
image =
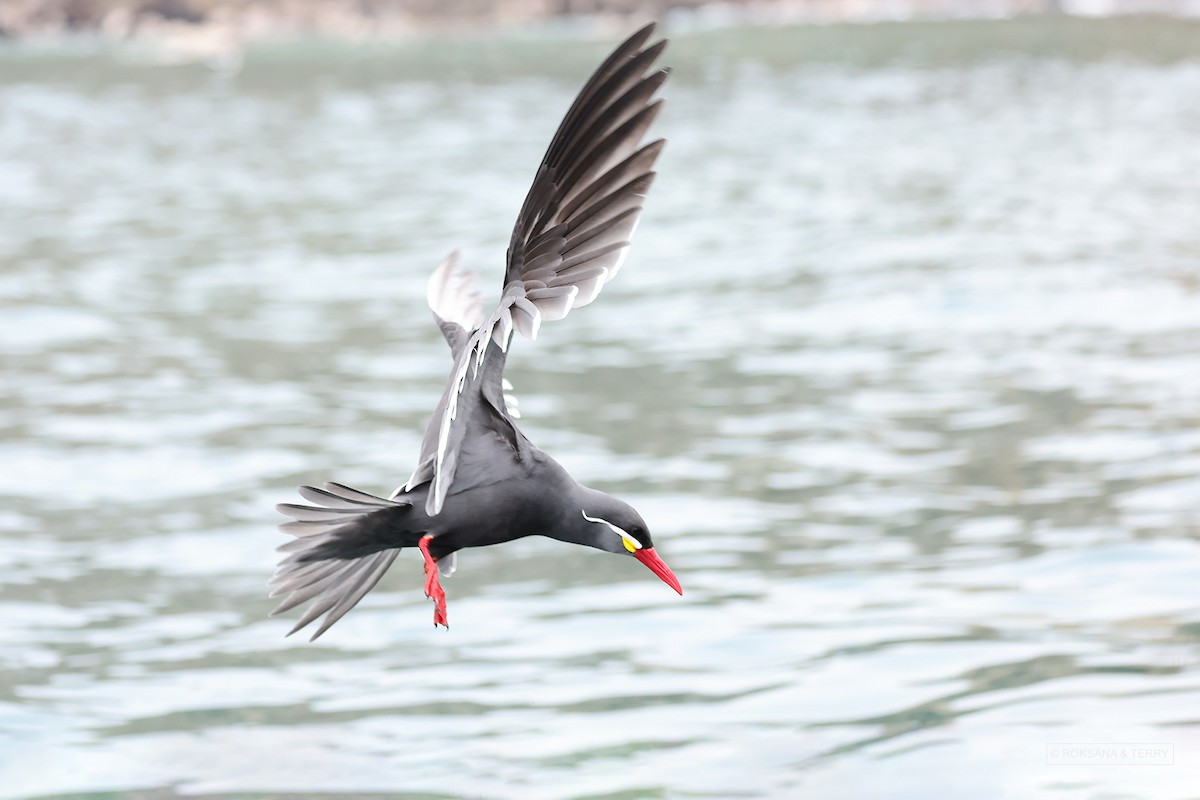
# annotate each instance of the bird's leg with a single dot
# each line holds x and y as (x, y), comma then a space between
(433, 586)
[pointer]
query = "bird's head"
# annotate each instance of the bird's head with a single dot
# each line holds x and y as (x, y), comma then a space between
(614, 526)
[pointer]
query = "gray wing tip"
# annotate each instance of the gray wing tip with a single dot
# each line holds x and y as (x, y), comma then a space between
(638, 38)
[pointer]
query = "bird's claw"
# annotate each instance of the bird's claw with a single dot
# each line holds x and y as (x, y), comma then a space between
(433, 586)
(439, 612)
(434, 591)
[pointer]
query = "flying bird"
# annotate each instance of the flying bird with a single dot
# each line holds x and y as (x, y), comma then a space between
(479, 481)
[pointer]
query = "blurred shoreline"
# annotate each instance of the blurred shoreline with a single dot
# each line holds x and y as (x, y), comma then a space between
(217, 32)
(212, 25)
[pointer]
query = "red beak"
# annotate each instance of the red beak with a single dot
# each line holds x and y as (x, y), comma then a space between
(650, 558)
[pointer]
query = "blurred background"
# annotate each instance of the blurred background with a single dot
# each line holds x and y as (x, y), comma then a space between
(903, 372)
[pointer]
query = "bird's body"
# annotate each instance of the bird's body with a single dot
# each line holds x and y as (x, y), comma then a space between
(479, 481)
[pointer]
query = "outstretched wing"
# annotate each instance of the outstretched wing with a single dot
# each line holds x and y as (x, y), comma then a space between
(573, 231)
(457, 307)
(455, 303)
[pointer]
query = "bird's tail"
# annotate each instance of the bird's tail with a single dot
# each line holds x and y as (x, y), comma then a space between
(343, 546)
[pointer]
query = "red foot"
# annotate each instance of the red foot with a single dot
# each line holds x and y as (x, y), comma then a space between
(433, 586)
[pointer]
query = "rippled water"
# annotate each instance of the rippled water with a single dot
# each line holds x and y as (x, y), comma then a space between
(903, 371)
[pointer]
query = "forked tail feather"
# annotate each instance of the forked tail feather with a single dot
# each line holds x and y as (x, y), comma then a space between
(343, 546)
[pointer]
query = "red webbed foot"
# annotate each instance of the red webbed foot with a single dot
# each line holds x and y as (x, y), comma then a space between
(433, 586)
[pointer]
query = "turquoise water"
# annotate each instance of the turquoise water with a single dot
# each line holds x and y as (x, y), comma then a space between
(903, 372)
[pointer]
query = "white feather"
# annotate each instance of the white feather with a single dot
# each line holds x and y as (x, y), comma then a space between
(452, 296)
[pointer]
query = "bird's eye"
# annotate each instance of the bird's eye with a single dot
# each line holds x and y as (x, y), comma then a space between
(632, 539)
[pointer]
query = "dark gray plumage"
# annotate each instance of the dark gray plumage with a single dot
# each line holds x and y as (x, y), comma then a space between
(479, 480)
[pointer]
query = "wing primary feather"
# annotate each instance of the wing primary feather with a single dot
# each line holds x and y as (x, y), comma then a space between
(629, 133)
(604, 233)
(621, 100)
(592, 255)
(632, 192)
(640, 163)
(622, 52)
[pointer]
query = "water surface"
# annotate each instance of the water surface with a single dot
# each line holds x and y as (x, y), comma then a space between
(903, 371)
